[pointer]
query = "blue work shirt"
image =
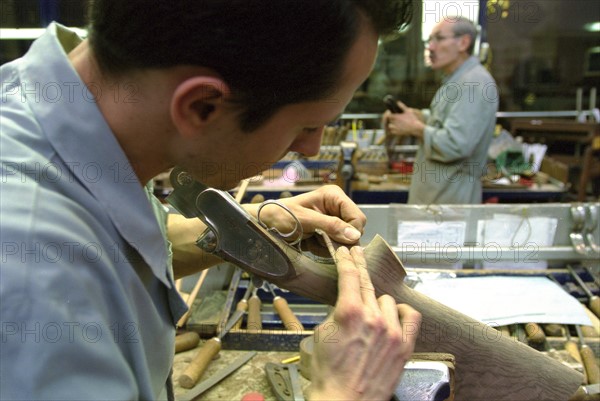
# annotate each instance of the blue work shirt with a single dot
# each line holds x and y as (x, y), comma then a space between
(87, 302)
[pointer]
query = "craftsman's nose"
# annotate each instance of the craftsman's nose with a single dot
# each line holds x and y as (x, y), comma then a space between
(308, 143)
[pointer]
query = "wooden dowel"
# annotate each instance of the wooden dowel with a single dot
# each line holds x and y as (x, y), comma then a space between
(196, 368)
(289, 319)
(254, 320)
(186, 341)
(590, 363)
(190, 300)
(242, 190)
(535, 334)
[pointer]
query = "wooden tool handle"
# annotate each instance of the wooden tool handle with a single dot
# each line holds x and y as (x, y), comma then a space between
(254, 318)
(554, 330)
(258, 198)
(243, 306)
(595, 305)
(591, 365)
(290, 321)
(535, 334)
(186, 341)
(196, 368)
(505, 330)
(190, 300)
(573, 349)
(592, 331)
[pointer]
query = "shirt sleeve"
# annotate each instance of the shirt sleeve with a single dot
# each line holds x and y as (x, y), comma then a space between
(51, 353)
(61, 339)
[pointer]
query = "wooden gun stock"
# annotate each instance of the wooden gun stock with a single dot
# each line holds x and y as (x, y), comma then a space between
(489, 366)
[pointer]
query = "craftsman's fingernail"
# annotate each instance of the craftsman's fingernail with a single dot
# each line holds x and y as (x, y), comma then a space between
(358, 250)
(342, 250)
(351, 233)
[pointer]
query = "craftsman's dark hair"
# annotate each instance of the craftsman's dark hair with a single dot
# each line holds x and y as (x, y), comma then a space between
(270, 52)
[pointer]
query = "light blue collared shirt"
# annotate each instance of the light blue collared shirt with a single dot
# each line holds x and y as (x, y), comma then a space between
(452, 156)
(87, 302)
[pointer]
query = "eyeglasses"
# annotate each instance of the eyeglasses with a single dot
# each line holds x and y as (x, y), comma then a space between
(438, 38)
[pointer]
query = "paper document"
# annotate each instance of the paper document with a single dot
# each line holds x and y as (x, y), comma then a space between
(431, 234)
(526, 234)
(499, 300)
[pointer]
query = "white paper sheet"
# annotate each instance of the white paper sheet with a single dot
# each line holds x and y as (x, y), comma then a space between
(527, 233)
(430, 234)
(425, 237)
(499, 300)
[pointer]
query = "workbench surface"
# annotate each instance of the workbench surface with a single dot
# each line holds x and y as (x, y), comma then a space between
(250, 377)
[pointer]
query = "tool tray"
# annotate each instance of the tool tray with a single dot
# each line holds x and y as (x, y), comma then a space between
(273, 336)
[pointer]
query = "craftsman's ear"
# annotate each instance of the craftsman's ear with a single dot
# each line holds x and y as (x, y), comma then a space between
(196, 102)
(464, 41)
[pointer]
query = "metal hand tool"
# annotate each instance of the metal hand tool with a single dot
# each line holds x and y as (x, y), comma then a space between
(206, 353)
(424, 381)
(589, 360)
(217, 377)
(595, 275)
(593, 300)
(391, 104)
(284, 381)
(295, 379)
(573, 349)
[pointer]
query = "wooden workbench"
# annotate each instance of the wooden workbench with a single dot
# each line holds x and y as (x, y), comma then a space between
(250, 377)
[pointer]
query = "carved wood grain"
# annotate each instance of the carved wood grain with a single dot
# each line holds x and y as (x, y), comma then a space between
(489, 366)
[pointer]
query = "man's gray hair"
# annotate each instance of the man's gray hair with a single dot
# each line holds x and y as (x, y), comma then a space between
(464, 26)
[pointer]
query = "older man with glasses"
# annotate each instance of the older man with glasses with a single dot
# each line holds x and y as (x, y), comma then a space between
(455, 132)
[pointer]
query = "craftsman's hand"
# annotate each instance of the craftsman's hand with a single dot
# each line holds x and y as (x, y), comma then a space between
(409, 122)
(360, 351)
(327, 208)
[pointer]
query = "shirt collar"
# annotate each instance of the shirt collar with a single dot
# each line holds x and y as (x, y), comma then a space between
(464, 67)
(66, 109)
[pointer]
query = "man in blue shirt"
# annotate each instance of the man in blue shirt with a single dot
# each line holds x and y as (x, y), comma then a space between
(88, 304)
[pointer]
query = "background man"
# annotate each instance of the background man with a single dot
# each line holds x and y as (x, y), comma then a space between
(455, 134)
